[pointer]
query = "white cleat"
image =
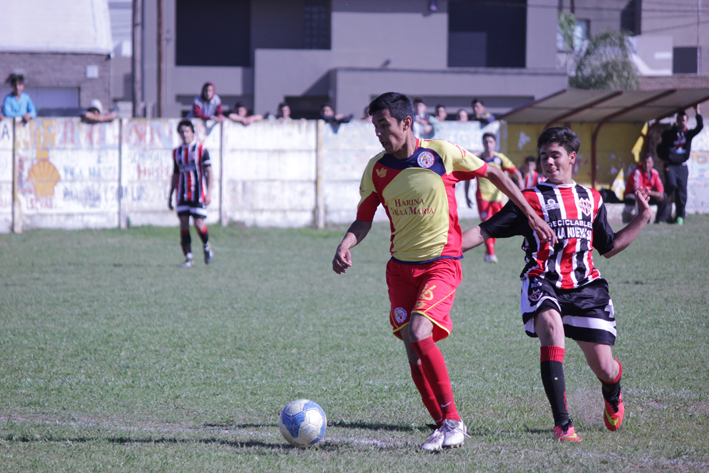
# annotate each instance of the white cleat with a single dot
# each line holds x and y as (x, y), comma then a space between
(188, 261)
(208, 254)
(490, 258)
(434, 442)
(454, 433)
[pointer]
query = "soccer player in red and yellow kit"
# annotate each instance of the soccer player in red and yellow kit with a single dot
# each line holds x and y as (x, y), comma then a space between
(563, 294)
(488, 196)
(415, 182)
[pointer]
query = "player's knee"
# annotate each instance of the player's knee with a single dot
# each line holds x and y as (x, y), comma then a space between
(420, 328)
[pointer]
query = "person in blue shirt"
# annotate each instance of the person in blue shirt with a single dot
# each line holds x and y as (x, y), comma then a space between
(17, 103)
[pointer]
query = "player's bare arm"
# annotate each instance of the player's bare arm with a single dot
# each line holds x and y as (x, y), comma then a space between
(510, 189)
(355, 234)
(173, 186)
(625, 237)
(473, 238)
(209, 177)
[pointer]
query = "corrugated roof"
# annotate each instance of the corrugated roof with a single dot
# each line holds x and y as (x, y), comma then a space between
(594, 106)
(65, 26)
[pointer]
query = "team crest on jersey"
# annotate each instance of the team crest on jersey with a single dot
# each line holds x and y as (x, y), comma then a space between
(426, 160)
(381, 172)
(400, 315)
(585, 206)
(535, 295)
(552, 205)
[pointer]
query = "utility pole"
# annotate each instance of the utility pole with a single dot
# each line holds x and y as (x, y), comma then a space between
(699, 47)
(160, 58)
(137, 59)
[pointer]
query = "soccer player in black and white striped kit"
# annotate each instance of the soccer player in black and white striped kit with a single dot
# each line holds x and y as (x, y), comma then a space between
(563, 294)
(192, 181)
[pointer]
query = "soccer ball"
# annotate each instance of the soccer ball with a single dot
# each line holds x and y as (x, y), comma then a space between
(302, 423)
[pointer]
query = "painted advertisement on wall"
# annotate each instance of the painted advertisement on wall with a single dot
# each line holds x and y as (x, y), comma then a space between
(6, 143)
(698, 185)
(67, 173)
(147, 166)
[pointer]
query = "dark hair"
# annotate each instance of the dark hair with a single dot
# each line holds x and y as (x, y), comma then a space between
(439, 106)
(15, 78)
(185, 123)
(204, 88)
(477, 100)
(281, 105)
(418, 100)
(238, 105)
(648, 155)
(489, 135)
(561, 136)
(399, 105)
(681, 114)
(530, 159)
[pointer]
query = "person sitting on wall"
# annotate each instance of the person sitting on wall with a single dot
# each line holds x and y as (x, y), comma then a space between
(17, 103)
(241, 115)
(329, 115)
(645, 176)
(441, 113)
(283, 113)
(207, 105)
(479, 113)
(424, 123)
(94, 114)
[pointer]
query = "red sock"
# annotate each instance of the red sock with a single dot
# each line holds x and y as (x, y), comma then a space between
(427, 396)
(435, 371)
(490, 246)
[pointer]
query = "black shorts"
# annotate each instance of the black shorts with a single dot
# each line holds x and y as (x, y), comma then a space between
(587, 311)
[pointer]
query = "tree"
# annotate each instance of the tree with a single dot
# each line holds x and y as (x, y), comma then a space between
(604, 62)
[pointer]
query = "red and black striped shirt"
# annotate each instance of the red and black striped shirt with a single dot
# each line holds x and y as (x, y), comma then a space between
(578, 217)
(190, 162)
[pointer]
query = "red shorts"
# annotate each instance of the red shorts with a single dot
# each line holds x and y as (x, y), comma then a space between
(488, 209)
(428, 289)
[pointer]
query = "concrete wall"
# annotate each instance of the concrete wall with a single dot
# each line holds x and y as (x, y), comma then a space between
(68, 174)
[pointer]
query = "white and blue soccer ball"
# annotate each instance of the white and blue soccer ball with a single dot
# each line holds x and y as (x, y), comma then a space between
(302, 423)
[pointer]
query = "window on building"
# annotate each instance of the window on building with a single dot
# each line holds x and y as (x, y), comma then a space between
(487, 34)
(684, 60)
(316, 24)
(582, 30)
(630, 17)
(213, 33)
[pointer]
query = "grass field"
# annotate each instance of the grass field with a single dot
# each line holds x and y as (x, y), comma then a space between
(113, 358)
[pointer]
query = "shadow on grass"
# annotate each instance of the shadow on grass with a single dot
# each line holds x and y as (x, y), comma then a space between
(379, 426)
(160, 440)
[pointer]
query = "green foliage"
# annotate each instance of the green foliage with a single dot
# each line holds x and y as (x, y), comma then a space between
(113, 358)
(604, 62)
(567, 25)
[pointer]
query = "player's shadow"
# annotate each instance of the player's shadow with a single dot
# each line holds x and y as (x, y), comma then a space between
(379, 426)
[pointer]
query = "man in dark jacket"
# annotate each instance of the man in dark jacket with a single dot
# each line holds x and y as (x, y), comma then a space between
(674, 149)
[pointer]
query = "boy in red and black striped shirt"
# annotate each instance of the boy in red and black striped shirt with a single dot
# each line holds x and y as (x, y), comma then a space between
(192, 180)
(563, 294)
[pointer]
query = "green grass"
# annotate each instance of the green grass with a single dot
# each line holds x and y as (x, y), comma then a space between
(112, 358)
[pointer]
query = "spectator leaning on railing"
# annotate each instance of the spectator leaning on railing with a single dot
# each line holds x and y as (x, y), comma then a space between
(94, 114)
(207, 105)
(17, 103)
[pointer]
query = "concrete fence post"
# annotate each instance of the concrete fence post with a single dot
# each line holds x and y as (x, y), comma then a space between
(319, 196)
